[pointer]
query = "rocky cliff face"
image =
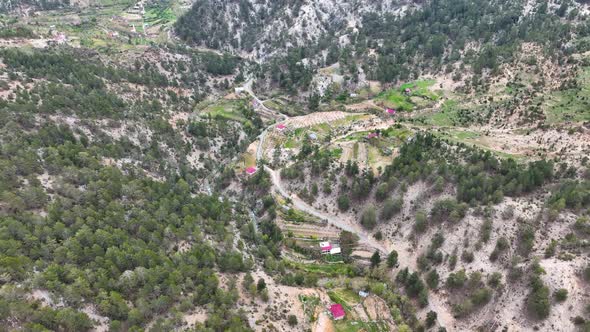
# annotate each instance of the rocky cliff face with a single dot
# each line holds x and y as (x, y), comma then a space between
(261, 29)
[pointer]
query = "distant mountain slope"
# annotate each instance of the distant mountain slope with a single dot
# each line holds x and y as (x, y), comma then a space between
(11, 5)
(264, 27)
(388, 41)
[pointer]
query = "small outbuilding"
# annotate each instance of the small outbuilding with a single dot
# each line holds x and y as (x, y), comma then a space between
(325, 247)
(372, 135)
(335, 251)
(251, 170)
(337, 311)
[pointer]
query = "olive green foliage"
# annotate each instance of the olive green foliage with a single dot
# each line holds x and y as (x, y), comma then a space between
(560, 295)
(538, 300)
(571, 194)
(390, 208)
(470, 292)
(413, 285)
(130, 244)
(481, 179)
(392, 259)
(444, 27)
(369, 217)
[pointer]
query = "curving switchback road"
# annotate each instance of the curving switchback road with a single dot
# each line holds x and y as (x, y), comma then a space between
(436, 301)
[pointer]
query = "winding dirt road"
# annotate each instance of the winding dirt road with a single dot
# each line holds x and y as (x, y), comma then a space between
(436, 302)
(298, 203)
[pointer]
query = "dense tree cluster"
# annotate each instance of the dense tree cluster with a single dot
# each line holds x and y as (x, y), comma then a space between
(75, 68)
(6, 6)
(483, 178)
(88, 232)
(132, 246)
(430, 38)
(539, 300)
(438, 33)
(571, 194)
(470, 292)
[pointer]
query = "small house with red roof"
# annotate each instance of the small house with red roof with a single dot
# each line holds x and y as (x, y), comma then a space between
(281, 127)
(390, 111)
(337, 311)
(372, 135)
(325, 247)
(251, 170)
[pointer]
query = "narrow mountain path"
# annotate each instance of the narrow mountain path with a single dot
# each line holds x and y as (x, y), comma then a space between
(436, 301)
(298, 203)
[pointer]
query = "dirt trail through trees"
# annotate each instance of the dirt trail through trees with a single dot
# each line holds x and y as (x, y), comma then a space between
(436, 302)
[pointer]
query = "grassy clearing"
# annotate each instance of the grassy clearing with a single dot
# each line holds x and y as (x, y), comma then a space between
(421, 89)
(309, 304)
(336, 153)
(572, 104)
(459, 136)
(249, 160)
(156, 15)
(355, 151)
(473, 138)
(373, 155)
(290, 143)
(398, 133)
(272, 104)
(226, 109)
(356, 136)
(357, 325)
(284, 106)
(346, 297)
(419, 95)
(116, 2)
(395, 99)
(298, 216)
(349, 119)
(444, 117)
(325, 269)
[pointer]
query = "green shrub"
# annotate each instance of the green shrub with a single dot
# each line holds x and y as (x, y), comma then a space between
(432, 279)
(343, 202)
(392, 259)
(457, 279)
(495, 279)
(526, 239)
(369, 217)
(390, 208)
(538, 302)
(421, 223)
(560, 295)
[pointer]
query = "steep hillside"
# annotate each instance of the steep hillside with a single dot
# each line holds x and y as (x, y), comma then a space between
(385, 41)
(24, 5)
(263, 28)
(269, 165)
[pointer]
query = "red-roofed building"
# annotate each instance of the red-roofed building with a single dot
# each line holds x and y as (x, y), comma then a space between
(325, 247)
(251, 170)
(337, 311)
(281, 127)
(372, 135)
(390, 111)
